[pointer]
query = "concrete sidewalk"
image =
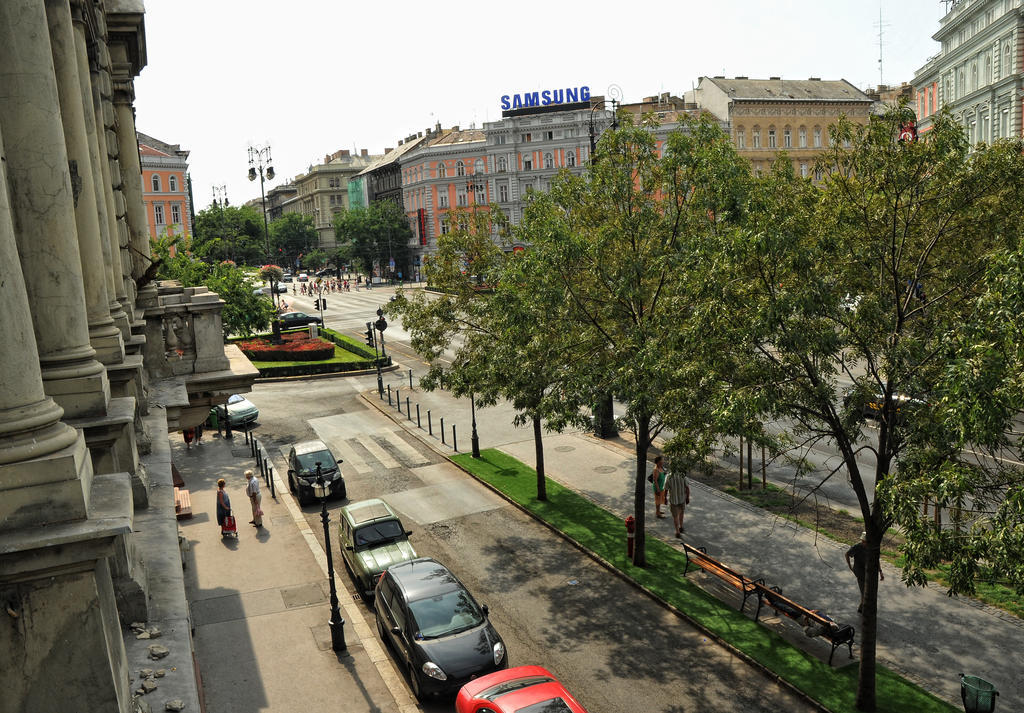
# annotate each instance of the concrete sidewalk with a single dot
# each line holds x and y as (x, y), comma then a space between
(923, 634)
(260, 603)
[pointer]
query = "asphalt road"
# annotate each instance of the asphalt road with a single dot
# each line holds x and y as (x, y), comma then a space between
(615, 648)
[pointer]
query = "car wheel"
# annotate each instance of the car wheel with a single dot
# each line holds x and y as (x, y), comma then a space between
(414, 684)
(291, 484)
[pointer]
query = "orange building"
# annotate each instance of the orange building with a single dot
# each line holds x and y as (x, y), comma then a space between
(165, 187)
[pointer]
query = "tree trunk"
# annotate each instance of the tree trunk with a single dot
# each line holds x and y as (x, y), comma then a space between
(538, 445)
(604, 417)
(643, 441)
(866, 699)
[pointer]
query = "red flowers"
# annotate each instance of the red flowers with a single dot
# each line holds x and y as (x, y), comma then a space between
(296, 347)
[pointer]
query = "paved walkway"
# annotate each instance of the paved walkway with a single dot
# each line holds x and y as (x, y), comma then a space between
(925, 635)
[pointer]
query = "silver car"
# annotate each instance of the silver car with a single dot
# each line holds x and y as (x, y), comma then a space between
(239, 410)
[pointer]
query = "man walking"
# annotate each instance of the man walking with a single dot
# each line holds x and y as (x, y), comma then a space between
(252, 489)
(678, 496)
(859, 553)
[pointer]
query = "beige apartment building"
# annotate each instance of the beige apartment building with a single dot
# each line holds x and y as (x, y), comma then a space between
(768, 116)
(322, 192)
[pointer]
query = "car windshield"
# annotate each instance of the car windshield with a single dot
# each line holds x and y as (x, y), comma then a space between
(308, 461)
(236, 399)
(444, 614)
(554, 705)
(378, 533)
(500, 689)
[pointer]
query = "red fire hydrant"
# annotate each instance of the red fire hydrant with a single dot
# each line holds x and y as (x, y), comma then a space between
(630, 535)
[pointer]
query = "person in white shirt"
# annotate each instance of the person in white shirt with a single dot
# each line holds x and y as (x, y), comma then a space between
(252, 489)
(678, 496)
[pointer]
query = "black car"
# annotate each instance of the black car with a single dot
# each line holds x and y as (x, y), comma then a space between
(302, 460)
(290, 320)
(437, 631)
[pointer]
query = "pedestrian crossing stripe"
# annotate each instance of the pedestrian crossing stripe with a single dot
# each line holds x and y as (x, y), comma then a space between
(353, 451)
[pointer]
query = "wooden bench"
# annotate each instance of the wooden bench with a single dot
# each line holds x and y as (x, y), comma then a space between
(836, 634)
(698, 556)
(182, 504)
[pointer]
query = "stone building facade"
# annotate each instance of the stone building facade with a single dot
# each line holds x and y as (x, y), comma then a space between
(768, 116)
(165, 187)
(977, 72)
(322, 191)
(100, 363)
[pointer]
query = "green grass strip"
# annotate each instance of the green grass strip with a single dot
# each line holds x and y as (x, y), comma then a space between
(603, 533)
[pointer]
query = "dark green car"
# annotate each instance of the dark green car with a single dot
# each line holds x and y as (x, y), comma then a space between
(372, 538)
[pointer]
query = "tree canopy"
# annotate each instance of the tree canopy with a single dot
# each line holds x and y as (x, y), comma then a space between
(372, 237)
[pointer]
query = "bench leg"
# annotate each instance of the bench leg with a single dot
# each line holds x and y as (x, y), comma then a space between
(834, 647)
(849, 645)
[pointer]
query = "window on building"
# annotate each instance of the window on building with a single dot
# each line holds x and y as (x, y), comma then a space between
(817, 137)
(500, 139)
(460, 196)
(158, 214)
(549, 135)
(974, 76)
(480, 195)
(173, 184)
(772, 140)
(442, 199)
(817, 174)
(549, 161)
(176, 214)
(156, 183)
(988, 70)
(803, 137)
(787, 138)
(570, 158)
(741, 138)
(803, 170)
(460, 168)
(503, 192)
(757, 170)
(442, 171)
(570, 132)
(502, 164)
(1004, 123)
(1007, 66)
(527, 163)
(444, 226)
(961, 88)
(756, 136)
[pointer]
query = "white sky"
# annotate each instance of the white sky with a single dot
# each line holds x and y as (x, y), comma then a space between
(311, 77)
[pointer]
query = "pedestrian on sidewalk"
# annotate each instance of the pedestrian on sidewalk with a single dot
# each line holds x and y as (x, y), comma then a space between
(658, 478)
(223, 505)
(678, 496)
(252, 489)
(859, 553)
(188, 434)
(199, 434)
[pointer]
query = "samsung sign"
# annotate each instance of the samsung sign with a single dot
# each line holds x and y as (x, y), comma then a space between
(544, 100)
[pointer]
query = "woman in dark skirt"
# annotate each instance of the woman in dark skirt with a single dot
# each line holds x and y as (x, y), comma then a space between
(223, 504)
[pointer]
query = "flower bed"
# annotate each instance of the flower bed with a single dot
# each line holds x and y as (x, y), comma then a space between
(296, 347)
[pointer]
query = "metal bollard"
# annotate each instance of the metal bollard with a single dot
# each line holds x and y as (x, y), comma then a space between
(259, 455)
(408, 413)
(410, 378)
(270, 478)
(389, 394)
(455, 441)
(418, 424)
(252, 447)
(398, 398)
(430, 426)
(442, 429)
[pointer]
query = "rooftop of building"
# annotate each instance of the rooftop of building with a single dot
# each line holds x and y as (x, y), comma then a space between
(779, 89)
(156, 147)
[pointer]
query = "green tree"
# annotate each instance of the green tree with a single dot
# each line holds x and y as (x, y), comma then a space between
(857, 292)
(373, 236)
(229, 233)
(291, 236)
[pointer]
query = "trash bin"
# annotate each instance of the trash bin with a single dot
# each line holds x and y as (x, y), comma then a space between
(979, 695)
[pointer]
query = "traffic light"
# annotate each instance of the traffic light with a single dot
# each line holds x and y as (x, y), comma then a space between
(320, 303)
(370, 342)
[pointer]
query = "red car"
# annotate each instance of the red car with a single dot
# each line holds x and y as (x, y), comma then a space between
(523, 689)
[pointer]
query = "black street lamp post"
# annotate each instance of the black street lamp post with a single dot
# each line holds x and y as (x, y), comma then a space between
(615, 93)
(474, 439)
(337, 624)
(259, 164)
(381, 324)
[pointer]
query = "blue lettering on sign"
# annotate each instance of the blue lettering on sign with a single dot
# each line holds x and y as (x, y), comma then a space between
(547, 97)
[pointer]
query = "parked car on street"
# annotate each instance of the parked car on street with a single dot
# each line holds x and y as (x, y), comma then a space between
(372, 538)
(240, 410)
(523, 689)
(303, 277)
(302, 460)
(290, 320)
(281, 289)
(437, 631)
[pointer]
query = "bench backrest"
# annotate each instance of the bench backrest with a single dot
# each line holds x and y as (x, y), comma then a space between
(700, 558)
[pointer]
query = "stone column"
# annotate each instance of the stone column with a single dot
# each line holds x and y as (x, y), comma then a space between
(42, 207)
(104, 336)
(98, 158)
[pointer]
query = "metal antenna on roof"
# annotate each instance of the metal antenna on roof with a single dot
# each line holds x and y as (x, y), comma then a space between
(881, 27)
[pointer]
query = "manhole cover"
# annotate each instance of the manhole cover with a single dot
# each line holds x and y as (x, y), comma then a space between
(604, 469)
(302, 596)
(565, 449)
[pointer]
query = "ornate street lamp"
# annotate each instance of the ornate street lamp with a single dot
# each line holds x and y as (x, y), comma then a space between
(474, 439)
(259, 163)
(614, 94)
(337, 624)
(381, 324)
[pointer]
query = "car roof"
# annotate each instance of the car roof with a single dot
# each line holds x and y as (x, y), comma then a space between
(368, 510)
(423, 577)
(310, 447)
